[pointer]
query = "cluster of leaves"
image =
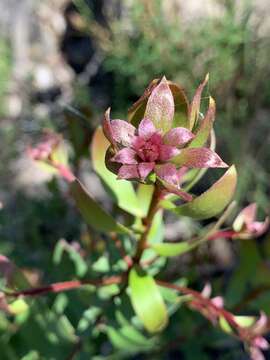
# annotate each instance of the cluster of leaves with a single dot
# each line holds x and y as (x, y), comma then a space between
(129, 304)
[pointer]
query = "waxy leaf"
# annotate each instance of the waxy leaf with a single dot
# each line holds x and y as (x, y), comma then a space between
(137, 110)
(122, 190)
(172, 249)
(198, 158)
(147, 300)
(160, 106)
(181, 106)
(196, 102)
(212, 201)
(203, 133)
(92, 212)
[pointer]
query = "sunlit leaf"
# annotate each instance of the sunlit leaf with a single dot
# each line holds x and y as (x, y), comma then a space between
(212, 201)
(160, 106)
(224, 325)
(92, 212)
(245, 321)
(195, 105)
(203, 133)
(147, 300)
(122, 191)
(172, 249)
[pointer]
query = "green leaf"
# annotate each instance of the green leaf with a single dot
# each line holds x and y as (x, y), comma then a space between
(245, 321)
(181, 106)
(172, 249)
(203, 133)
(92, 212)
(224, 325)
(18, 306)
(74, 255)
(212, 201)
(147, 300)
(122, 191)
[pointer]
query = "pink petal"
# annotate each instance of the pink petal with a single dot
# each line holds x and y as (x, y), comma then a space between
(169, 178)
(125, 156)
(146, 128)
(167, 152)
(178, 136)
(128, 172)
(260, 342)
(260, 325)
(168, 173)
(198, 158)
(122, 132)
(137, 143)
(218, 301)
(145, 169)
(249, 213)
(258, 227)
(160, 106)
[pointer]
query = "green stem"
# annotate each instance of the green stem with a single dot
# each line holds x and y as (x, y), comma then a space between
(147, 221)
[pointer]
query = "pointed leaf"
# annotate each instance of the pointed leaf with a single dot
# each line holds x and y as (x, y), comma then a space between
(203, 133)
(122, 190)
(137, 110)
(92, 212)
(181, 106)
(212, 201)
(160, 106)
(198, 158)
(196, 102)
(147, 300)
(172, 249)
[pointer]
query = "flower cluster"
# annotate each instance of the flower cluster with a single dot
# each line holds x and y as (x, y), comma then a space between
(246, 226)
(157, 146)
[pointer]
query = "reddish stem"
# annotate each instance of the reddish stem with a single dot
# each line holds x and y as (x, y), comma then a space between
(147, 221)
(121, 250)
(225, 234)
(65, 286)
(203, 300)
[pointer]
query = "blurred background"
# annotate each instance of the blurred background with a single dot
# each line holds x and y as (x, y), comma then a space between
(62, 63)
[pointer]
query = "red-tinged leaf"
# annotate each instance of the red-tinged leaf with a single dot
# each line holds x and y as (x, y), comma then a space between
(212, 201)
(160, 106)
(137, 110)
(198, 158)
(196, 102)
(122, 190)
(203, 133)
(147, 300)
(92, 212)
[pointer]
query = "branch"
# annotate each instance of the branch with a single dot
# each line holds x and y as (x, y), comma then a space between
(65, 286)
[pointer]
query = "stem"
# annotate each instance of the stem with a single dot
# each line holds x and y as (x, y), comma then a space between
(65, 286)
(203, 300)
(147, 221)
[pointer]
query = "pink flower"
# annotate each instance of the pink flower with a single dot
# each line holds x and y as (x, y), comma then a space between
(156, 146)
(246, 226)
(52, 152)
